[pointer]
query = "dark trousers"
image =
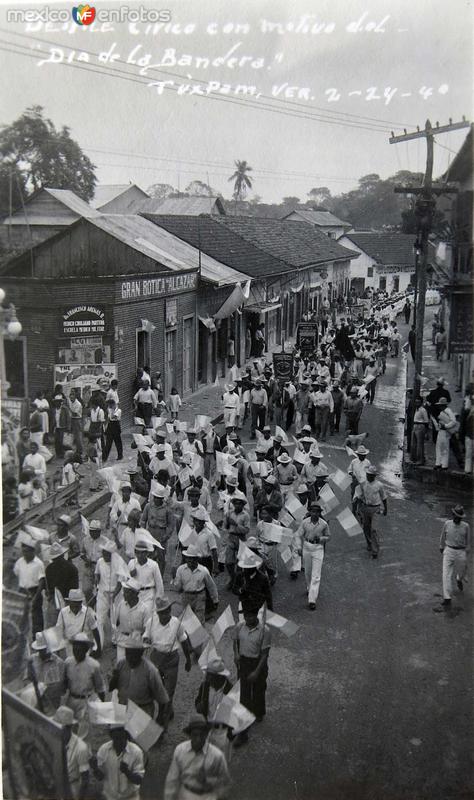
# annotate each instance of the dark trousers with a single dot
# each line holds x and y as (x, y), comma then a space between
(258, 418)
(252, 695)
(290, 415)
(335, 420)
(352, 424)
(371, 390)
(113, 435)
(58, 442)
(167, 665)
(321, 421)
(76, 430)
(207, 562)
(146, 411)
(36, 608)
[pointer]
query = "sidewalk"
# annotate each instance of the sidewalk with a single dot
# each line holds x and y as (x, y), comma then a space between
(432, 370)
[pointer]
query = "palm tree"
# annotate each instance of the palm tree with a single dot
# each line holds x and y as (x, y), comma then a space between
(241, 180)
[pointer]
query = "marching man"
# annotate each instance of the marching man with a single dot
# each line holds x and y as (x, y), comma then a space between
(313, 534)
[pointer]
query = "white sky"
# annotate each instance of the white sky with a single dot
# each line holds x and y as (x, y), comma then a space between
(427, 43)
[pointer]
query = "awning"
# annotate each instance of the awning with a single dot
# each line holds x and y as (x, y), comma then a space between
(296, 289)
(233, 302)
(261, 308)
(209, 323)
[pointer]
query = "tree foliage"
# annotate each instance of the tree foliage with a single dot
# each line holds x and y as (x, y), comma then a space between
(242, 182)
(44, 156)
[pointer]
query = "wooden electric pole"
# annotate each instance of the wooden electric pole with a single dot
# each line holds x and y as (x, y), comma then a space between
(424, 210)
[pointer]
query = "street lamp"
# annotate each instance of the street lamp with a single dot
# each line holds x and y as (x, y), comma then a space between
(10, 328)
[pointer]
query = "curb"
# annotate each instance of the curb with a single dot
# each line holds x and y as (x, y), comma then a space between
(450, 479)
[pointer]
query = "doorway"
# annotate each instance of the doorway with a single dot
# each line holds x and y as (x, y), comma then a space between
(170, 361)
(142, 349)
(188, 355)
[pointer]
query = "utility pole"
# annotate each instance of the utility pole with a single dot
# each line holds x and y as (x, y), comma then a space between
(424, 210)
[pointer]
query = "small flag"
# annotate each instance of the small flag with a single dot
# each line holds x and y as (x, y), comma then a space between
(107, 713)
(286, 555)
(348, 521)
(340, 479)
(201, 421)
(84, 526)
(147, 326)
(181, 426)
(362, 393)
(292, 504)
(208, 654)
(225, 621)
(300, 458)
(328, 498)
(232, 713)
(275, 533)
(197, 465)
(406, 347)
(247, 558)
(184, 477)
(197, 635)
(282, 624)
(280, 432)
(350, 452)
(58, 599)
(139, 421)
(141, 727)
(38, 534)
(53, 639)
(368, 379)
(285, 518)
(187, 535)
(158, 422)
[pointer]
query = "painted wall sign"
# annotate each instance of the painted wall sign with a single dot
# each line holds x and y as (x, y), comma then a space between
(159, 286)
(84, 319)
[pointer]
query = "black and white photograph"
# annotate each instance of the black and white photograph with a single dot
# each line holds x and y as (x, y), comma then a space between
(237, 400)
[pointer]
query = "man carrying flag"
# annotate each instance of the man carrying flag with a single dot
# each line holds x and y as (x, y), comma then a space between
(252, 642)
(252, 584)
(198, 769)
(313, 534)
(371, 499)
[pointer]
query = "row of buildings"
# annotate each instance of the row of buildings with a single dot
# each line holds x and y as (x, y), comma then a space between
(177, 285)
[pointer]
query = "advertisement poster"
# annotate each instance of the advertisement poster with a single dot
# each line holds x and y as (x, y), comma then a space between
(35, 752)
(87, 378)
(99, 354)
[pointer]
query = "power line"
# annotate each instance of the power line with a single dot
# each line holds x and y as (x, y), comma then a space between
(246, 102)
(284, 103)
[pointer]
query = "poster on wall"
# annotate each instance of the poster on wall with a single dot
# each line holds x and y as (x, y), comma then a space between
(85, 355)
(87, 378)
(83, 320)
(35, 752)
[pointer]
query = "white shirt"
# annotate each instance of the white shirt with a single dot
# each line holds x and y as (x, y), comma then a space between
(231, 400)
(194, 769)
(148, 575)
(165, 638)
(120, 511)
(358, 469)
(77, 757)
(107, 576)
(36, 462)
(97, 415)
(69, 624)
(116, 785)
(112, 395)
(29, 573)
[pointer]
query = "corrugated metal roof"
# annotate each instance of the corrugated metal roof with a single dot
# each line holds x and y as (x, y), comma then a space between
(160, 245)
(320, 218)
(72, 201)
(107, 192)
(67, 198)
(191, 206)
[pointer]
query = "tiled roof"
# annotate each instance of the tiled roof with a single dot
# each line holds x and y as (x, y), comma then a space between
(221, 243)
(321, 218)
(385, 248)
(192, 206)
(295, 243)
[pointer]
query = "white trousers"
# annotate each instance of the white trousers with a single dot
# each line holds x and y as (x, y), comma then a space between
(313, 556)
(469, 447)
(103, 609)
(442, 449)
(454, 566)
(230, 416)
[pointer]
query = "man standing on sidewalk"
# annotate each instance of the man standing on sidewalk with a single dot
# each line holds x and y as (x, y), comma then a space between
(454, 544)
(447, 425)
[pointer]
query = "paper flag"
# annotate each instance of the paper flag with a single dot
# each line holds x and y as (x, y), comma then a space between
(38, 534)
(53, 639)
(350, 452)
(84, 526)
(251, 456)
(234, 714)
(300, 458)
(107, 713)
(340, 479)
(208, 654)
(181, 426)
(368, 379)
(187, 535)
(196, 633)
(292, 504)
(197, 465)
(141, 727)
(139, 421)
(328, 498)
(184, 476)
(247, 558)
(362, 393)
(45, 551)
(285, 518)
(271, 532)
(221, 463)
(282, 624)
(201, 421)
(58, 599)
(158, 422)
(286, 555)
(225, 621)
(280, 432)
(348, 521)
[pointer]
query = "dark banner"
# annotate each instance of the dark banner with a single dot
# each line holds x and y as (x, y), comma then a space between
(307, 337)
(283, 366)
(461, 335)
(15, 632)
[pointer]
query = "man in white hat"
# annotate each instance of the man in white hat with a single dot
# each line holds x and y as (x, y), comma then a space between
(138, 680)
(30, 573)
(122, 506)
(198, 769)
(270, 496)
(162, 461)
(251, 583)
(358, 467)
(83, 680)
(231, 403)
(353, 407)
(90, 553)
(323, 407)
(371, 499)
(128, 537)
(252, 641)
(46, 668)
(285, 473)
(64, 536)
(110, 572)
(158, 518)
(130, 617)
(447, 425)
(75, 618)
(312, 536)
(455, 545)
(166, 635)
(207, 543)
(258, 407)
(191, 444)
(77, 754)
(119, 765)
(147, 573)
(192, 579)
(61, 577)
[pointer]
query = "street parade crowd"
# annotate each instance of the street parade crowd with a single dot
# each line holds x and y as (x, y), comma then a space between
(206, 525)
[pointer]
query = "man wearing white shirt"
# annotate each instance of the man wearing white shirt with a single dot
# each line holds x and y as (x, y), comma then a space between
(358, 467)
(30, 572)
(113, 433)
(324, 406)
(35, 461)
(122, 506)
(147, 573)
(231, 403)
